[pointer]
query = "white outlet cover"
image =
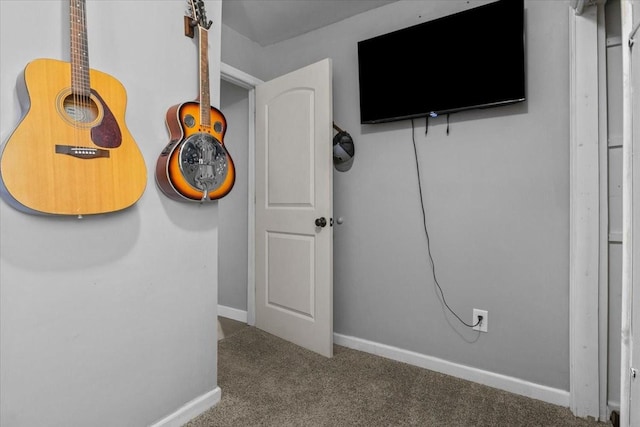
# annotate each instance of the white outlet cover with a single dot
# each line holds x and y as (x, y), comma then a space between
(483, 327)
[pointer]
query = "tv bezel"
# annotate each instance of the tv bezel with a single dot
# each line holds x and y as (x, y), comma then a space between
(465, 13)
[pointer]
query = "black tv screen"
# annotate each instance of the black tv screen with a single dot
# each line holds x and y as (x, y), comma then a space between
(471, 59)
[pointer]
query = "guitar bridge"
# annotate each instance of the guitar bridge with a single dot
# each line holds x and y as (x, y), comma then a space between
(82, 152)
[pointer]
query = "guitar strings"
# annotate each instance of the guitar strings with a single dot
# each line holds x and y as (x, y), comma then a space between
(74, 39)
(84, 71)
(74, 59)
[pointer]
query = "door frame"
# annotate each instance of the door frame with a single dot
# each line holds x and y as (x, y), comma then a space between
(240, 78)
(629, 414)
(587, 246)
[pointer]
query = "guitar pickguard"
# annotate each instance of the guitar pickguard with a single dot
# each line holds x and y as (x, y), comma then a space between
(106, 134)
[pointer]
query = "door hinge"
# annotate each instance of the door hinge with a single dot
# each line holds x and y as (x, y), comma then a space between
(634, 373)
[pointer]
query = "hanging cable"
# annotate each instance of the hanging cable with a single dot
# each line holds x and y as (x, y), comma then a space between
(426, 231)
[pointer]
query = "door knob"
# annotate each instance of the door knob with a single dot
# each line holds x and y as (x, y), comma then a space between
(321, 222)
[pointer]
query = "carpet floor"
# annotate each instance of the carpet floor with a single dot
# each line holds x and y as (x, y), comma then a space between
(267, 381)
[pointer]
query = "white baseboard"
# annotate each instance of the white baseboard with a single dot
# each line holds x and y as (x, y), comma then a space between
(491, 379)
(613, 405)
(191, 410)
(232, 313)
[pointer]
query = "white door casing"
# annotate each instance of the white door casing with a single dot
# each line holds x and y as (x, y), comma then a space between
(293, 188)
(585, 246)
(248, 82)
(630, 343)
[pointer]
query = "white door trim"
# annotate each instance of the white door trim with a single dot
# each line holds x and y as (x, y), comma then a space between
(603, 159)
(629, 414)
(585, 246)
(247, 81)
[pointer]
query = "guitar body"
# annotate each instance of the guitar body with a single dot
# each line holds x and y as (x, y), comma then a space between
(71, 155)
(195, 165)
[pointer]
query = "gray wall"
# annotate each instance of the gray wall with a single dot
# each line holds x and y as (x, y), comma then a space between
(109, 320)
(241, 52)
(496, 197)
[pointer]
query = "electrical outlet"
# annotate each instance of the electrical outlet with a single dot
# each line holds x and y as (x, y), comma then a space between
(482, 327)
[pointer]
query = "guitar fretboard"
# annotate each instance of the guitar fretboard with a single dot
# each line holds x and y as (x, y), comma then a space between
(80, 83)
(205, 99)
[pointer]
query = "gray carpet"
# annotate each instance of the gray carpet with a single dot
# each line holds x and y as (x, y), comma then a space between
(267, 381)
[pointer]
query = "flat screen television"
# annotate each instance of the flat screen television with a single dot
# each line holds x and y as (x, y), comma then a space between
(471, 59)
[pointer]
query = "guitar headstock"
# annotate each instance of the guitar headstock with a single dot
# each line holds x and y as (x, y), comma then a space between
(197, 14)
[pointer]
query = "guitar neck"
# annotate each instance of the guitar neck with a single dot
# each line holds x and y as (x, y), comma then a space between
(80, 83)
(205, 99)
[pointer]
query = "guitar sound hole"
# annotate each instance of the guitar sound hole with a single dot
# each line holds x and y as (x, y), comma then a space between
(189, 121)
(81, 109)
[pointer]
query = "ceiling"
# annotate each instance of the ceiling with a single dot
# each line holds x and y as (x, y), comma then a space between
(271, 21)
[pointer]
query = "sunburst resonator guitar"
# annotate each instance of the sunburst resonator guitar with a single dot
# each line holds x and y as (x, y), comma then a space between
(195, 165)
(71, 153)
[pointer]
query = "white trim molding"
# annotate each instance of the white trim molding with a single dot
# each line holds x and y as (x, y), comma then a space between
(580, 5)
(630, 322)
(191, 410)
(232, 313)
(603, 159)
(238, 77)
(585, 246)
(491, 379)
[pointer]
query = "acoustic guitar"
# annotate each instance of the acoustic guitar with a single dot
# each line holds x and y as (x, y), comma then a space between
(71, 153)
(195, 165)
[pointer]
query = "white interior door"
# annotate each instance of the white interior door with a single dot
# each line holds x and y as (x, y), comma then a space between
(294, 198)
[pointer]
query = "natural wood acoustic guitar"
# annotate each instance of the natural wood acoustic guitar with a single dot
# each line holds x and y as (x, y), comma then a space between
(195, 165)
(71, 153)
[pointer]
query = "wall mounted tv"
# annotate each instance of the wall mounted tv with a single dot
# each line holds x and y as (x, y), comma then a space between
(471, 59)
